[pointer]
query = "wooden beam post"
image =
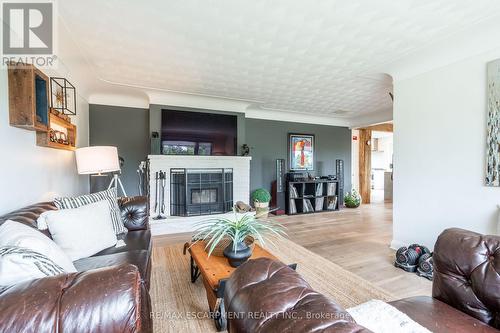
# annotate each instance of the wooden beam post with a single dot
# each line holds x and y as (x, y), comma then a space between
(387, 127)
(365, 164)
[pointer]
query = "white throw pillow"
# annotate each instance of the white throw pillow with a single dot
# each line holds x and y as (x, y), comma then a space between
(41, 222)
(19, 264)
(109, 195)
(17, 234)
(84, 231)
(380, 317)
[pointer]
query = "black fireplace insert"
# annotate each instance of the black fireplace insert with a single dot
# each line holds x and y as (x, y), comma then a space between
(200, 191)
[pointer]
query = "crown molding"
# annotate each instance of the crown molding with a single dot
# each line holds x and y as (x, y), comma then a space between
(381, 116)
(295, 117)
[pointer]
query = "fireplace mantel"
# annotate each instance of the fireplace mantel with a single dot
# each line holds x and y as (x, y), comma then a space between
(196, 158)
(239, 164)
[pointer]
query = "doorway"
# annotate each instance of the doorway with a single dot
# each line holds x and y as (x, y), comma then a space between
(381, 166)
(373, 143)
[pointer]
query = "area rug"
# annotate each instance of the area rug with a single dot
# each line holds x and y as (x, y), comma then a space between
(181, 306)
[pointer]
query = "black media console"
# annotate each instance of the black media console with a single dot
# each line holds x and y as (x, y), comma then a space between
(312, 196)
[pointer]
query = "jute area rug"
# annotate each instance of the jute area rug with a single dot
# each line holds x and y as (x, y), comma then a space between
(181, 306)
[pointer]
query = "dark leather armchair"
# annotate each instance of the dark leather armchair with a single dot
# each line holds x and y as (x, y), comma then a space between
(466, 293)
(467, 274)
(466, 286)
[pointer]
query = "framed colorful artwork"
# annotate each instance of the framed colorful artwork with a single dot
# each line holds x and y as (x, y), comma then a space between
(301, 151)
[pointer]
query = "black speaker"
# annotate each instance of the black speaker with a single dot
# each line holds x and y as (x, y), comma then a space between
(280, 175)
(279, 187)
(155, 144)
(339, 167)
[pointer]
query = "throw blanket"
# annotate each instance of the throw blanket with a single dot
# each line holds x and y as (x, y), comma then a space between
(381, 317)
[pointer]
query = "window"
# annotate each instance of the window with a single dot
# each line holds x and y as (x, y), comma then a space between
(172, 147)
(205, 148)
(179, 148)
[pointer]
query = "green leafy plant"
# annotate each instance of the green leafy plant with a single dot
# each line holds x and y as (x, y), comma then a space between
(261, 195)
(213, 231)
(352, 199)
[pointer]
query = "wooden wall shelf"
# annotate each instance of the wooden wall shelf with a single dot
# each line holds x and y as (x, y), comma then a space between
(28, 97)
(43, 138)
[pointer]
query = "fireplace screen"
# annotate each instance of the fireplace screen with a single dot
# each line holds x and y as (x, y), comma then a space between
(199, 196)
(201, 191)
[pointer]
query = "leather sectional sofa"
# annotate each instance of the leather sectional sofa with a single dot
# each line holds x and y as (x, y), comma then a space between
(465, 293)
(108, 294)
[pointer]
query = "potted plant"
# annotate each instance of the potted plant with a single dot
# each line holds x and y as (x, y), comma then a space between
(238, 230)
(352, 199)
(261, 198)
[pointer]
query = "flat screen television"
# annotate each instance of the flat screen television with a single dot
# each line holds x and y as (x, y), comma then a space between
(198, 133)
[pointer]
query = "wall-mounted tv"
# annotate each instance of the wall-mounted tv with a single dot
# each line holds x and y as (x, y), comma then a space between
(198, 133)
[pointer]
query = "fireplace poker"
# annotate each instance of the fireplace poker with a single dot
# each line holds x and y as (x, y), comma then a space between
(156, 192)
(163, 177)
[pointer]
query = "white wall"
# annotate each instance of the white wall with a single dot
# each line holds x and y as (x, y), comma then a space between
(30, 174)
(439, 153)
(382, 159)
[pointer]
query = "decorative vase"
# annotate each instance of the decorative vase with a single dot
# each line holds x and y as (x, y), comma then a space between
(235, 259)
(224, 242)
(261, 209)
(258, 204)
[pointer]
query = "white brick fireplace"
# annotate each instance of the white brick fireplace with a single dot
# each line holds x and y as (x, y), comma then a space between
(241, 185)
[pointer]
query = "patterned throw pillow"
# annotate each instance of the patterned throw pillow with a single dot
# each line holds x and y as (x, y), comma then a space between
(19, 264)
(108, 195)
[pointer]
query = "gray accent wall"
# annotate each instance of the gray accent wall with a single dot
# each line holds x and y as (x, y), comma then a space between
(130, 128)
(268, 141)
(126, 128)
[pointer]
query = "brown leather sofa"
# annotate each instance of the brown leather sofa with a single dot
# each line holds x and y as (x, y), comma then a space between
(465, 294)
(108, 294)
(264, 295)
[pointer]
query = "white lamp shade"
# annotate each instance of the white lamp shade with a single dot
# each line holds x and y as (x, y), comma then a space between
(98, 159)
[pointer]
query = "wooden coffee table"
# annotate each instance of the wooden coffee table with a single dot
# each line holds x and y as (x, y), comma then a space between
(214, 272)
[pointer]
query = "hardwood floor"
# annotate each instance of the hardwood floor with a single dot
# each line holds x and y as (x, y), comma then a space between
(356, 239)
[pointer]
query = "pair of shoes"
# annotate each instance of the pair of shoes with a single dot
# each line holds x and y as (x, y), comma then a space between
(416, 259)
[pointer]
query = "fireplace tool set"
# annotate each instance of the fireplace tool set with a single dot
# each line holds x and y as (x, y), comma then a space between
(142, 172)
(161, 182)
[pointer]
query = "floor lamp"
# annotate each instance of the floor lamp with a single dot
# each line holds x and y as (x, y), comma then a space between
(98, 160)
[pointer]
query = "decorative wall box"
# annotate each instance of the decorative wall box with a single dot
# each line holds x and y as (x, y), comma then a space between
(28, 98)
(60, 135)
(62, 96)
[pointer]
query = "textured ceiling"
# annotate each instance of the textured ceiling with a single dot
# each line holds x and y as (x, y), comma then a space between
(323, 57)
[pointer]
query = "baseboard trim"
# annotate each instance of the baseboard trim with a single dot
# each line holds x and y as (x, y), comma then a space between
(396, 244)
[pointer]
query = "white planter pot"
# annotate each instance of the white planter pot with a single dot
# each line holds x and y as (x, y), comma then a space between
(260, 204)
